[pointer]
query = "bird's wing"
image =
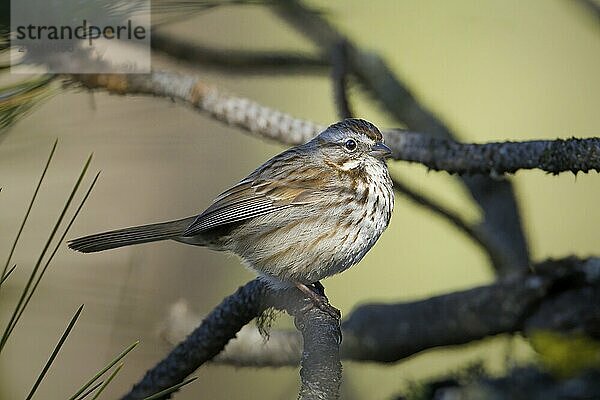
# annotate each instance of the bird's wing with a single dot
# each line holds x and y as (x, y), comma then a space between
(253, 197)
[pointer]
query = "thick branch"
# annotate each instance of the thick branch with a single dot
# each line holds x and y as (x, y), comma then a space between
(435, 153)
(230, 109)
(561, 295)
(552, 156)
(530, 382)
(391, 332)
(204, 343)
(321, 367)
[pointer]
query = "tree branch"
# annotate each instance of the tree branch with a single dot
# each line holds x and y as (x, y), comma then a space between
(592, 7)
(530, 382)
(389, 333)
(204, 343)
(239, 61)
(249, 349)
(321, 367)
(552, 156)
(230, 109)
(495, 255)
(339, 79)
(560, 295)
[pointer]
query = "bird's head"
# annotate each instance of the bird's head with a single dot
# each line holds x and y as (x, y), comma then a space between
(351, 143)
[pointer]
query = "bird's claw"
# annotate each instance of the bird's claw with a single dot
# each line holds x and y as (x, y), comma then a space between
(318, 300)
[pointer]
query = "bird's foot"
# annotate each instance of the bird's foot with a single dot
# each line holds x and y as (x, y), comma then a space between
(316, 294)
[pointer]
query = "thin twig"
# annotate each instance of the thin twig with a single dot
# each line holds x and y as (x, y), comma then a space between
(339, 78)
(239, 61)
(591, 6)
(469, 230)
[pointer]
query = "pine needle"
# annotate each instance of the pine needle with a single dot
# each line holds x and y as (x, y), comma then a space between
(55, 352)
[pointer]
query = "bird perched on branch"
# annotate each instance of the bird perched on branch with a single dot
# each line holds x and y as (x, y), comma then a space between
(306, 214)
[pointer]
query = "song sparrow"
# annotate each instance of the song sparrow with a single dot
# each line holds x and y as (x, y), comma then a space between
(308, 213)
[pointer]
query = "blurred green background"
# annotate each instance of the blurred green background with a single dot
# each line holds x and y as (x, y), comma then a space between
(492, 70)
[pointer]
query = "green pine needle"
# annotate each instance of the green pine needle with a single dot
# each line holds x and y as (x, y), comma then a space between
(17, 101)
(54, 353)
(110, 378)
(26, 295)
(5, 277)
(60, 241)
(37, 189)
(103, 370)
(171, 389)
(90, 390)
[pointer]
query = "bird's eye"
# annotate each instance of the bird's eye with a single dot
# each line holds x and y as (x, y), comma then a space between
(350, 145)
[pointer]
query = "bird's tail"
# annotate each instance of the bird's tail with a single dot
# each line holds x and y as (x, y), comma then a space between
(128, 236)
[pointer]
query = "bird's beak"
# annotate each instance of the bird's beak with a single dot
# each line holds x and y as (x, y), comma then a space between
(380, 150)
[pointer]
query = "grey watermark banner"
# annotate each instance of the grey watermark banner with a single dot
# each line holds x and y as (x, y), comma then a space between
(80, 36)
